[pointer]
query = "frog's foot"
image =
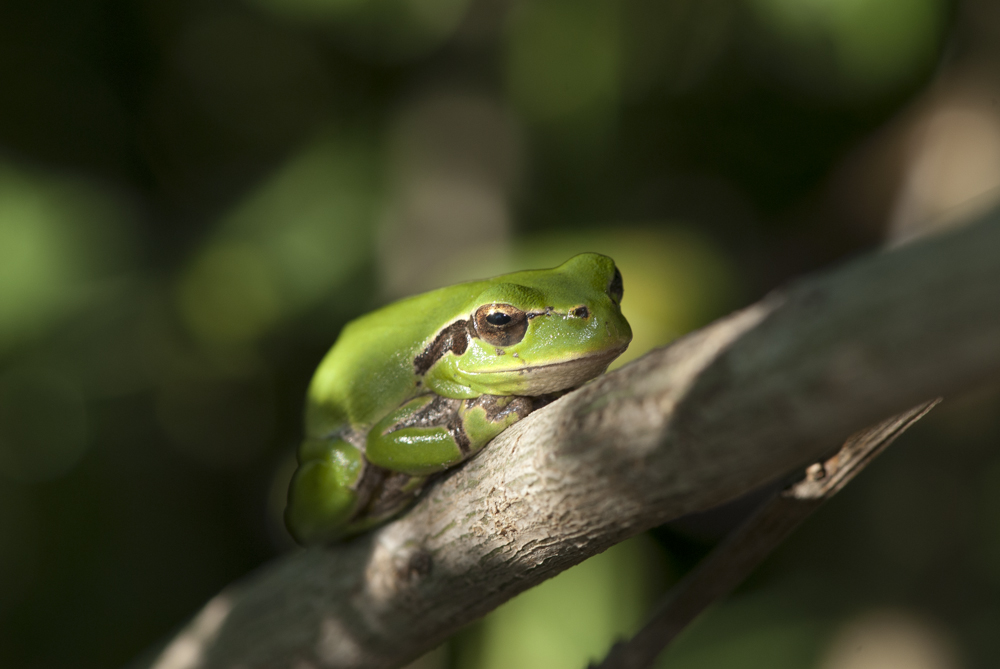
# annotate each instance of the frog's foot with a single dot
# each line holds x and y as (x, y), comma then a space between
(323, 498)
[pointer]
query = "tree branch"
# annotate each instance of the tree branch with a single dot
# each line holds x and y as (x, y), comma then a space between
(736, 557)
(700, 422)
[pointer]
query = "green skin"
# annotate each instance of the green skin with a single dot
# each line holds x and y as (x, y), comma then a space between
(423, 384)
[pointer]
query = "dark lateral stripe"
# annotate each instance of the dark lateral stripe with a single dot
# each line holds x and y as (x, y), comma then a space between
(457, 432)
(454, 338)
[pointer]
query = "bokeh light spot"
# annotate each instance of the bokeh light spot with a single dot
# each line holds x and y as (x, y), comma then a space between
(229, 294)
(454, 161)
(875, 43)
(891, 640)
(563, 58)
(572, 618)
(312, 219)
(56, 237)
(436, 17)
(35, 262)
(286, 246)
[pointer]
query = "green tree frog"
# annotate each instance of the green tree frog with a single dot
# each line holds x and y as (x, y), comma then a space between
(422, 384)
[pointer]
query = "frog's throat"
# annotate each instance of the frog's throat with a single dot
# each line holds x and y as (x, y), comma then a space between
(550, 378)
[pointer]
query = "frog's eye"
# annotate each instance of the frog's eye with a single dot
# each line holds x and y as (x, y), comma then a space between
(615, 287)
(500, 324)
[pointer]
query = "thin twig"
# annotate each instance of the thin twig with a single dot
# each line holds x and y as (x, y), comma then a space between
(741, 552)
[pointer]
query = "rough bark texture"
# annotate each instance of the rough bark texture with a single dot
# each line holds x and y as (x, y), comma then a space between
(684, 428)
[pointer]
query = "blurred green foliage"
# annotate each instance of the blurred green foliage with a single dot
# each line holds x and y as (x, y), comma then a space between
(562, 59)
(59, 238)
(571, 619)
(195, 197)
(287, 246)
(867, 44)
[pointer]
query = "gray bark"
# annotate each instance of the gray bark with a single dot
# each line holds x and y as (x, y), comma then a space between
(702, 421)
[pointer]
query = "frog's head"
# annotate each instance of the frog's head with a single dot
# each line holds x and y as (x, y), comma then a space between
(536, 332)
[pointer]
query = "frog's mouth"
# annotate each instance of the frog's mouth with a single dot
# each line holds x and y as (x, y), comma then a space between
(550, 378)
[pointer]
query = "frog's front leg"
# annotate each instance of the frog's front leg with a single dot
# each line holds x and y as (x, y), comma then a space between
(431, 433)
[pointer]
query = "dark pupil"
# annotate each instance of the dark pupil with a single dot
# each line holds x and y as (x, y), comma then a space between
(498, 318)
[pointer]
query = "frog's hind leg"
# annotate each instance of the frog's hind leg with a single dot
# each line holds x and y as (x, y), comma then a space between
(327, 490)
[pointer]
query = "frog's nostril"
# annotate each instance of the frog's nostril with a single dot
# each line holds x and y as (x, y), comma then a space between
(580, 312)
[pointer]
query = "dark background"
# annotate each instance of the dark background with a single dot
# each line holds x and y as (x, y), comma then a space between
(195, 196)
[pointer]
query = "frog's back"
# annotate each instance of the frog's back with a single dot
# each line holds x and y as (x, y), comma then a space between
(370, 369)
